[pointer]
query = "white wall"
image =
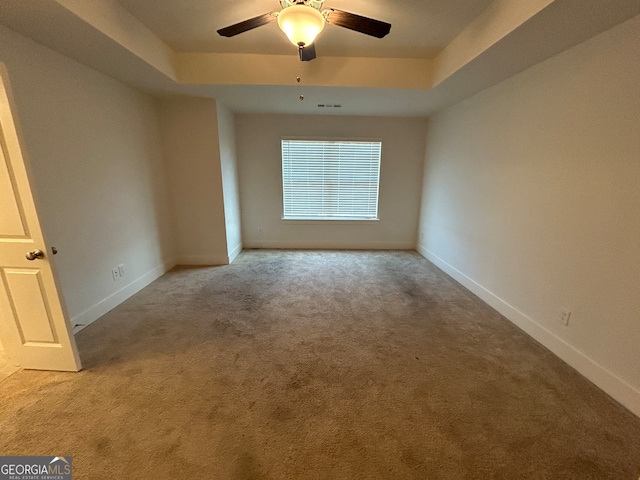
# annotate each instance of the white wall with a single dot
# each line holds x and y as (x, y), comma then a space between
(228, 166)
(192, 153)
(96, 157)
(260, 168)
(532, 200)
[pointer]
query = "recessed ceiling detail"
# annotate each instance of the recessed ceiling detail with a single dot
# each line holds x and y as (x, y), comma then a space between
(421, 28)
(170, 47)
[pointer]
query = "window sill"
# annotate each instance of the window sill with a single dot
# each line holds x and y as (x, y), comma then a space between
(341, 221)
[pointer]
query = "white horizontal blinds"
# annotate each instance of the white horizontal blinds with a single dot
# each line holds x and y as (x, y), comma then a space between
(330, 179)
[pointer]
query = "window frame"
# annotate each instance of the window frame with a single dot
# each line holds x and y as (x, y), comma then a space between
(335, 219)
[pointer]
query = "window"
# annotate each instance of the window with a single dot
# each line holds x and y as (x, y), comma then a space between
(330, 180)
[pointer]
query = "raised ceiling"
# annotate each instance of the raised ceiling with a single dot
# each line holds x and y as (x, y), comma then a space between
(420, 28)
(438, 51)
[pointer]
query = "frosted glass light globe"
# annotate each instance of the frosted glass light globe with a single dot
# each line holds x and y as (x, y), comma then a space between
(301, 24)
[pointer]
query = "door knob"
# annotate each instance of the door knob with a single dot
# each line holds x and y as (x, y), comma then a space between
(34, 254)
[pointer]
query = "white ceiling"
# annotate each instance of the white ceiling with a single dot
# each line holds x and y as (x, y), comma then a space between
(170, 47)
(420, 28)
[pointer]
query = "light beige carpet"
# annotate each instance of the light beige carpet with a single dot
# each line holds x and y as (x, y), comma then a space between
(316, 365)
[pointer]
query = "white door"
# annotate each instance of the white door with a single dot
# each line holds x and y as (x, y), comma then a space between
(34, 327)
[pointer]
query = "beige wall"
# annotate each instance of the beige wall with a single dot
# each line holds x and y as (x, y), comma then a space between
(259, 163)
(192, 153)
(532, 200)
(95, 151)
(228, 166)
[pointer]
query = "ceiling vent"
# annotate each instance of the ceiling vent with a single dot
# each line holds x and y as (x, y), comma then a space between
(328, 105)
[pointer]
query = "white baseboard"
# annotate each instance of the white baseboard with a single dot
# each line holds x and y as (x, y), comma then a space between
(617, 388)
(332, 245)
(82, 320)
(234, 253)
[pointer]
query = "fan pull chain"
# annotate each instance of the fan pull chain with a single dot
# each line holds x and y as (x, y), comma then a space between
(298, 79)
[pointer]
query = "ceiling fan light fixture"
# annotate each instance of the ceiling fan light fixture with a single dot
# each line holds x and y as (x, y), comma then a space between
(301, 24)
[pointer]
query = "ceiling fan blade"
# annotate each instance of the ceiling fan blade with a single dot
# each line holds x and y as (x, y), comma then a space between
(307, 53)
(358, 23)
(247, 25)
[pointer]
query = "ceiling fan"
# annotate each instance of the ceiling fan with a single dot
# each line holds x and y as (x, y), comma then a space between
(302, 21)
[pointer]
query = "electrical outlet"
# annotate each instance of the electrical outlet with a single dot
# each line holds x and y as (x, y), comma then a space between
(115, 273)
(121, 270)
(564, 315)
(260, 231)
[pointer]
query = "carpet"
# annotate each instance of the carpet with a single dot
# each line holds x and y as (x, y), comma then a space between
(316, 365)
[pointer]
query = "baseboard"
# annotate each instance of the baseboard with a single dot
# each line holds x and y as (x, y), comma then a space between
(332, 245)
(202, 260)
(617, 388)
(234, 253)
(93, 313)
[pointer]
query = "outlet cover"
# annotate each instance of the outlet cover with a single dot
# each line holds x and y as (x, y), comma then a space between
(115, 273)
(564, 315)
(121, 269)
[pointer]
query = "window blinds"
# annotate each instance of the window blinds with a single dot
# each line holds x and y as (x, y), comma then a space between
(330, 179)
